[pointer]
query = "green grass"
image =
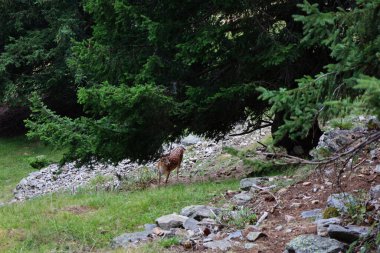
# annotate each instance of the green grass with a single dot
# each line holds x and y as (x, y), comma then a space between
(85, 221)
(14, 164)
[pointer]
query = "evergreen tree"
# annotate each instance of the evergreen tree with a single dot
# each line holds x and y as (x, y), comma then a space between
(352, 36)
(35, 41)
(154, 70)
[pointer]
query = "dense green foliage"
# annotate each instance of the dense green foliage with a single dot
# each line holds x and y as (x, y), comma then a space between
(35, 41)
(352, 36)
(151, 71)
(158, 69)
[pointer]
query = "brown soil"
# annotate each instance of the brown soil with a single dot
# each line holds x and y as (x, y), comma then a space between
(295, 199)
(303, 195)
(79, 209)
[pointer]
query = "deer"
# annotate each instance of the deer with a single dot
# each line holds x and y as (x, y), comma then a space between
(167, 163)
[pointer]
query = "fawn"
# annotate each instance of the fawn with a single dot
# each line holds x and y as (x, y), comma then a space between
(170, 162)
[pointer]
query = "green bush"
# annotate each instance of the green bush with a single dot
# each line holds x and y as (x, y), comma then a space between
(169, 242)
(140, 181)
(342, 124)
(39, 162)
(240, 219)
(330, 212)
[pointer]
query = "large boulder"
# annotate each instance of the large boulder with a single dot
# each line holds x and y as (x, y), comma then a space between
(125, 240)
(167, 222)
(348, 233)
(334, 140)
(200, 212)
(340, 201)
(314, 244)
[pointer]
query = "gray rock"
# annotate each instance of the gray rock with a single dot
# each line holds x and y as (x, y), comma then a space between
(340, 201)
(334, 140)
(377, 169)
(191, 224)
(289, 218)
(125, 240)
(323, 224)
(250, 245)
(247, 183)
(190, 140)
(374, 154)
(200, 212)
(279, 228)
(314, 244)
(207, 221)
(222, 245)
(242, 198)
(236, 234)
(374, 192)
(252, 236)
(315, 214)
(348, 233)
(171, 221)
(149, 227)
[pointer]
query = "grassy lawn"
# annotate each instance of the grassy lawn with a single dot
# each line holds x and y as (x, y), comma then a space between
(14, 165)
(88, 221)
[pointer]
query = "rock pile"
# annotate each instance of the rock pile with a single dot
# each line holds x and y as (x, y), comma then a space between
(199, 227)
(68, 177)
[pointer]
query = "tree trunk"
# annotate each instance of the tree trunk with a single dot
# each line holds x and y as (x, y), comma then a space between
(299, 147)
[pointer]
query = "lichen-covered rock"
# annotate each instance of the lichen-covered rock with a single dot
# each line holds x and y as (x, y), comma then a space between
(323, 225)
(315, 213)
(247, 183)
(167, 222)
(200, 212)
(340, 201)
(314, 244)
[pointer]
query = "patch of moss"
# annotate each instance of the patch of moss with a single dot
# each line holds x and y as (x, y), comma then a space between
(330, 212)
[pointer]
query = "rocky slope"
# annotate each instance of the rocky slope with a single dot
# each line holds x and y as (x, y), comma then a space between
(53, 178)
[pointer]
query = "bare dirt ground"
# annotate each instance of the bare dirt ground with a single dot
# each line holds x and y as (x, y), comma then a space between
(310, 193)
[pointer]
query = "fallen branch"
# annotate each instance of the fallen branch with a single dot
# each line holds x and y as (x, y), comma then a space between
(262, 218)
(289, 159)
(264, 190)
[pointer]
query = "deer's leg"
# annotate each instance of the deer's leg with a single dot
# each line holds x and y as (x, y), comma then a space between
(167, 177)
(159, 178)
(177, 172)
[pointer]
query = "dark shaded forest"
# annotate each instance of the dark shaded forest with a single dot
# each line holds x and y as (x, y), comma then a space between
(115, 79)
